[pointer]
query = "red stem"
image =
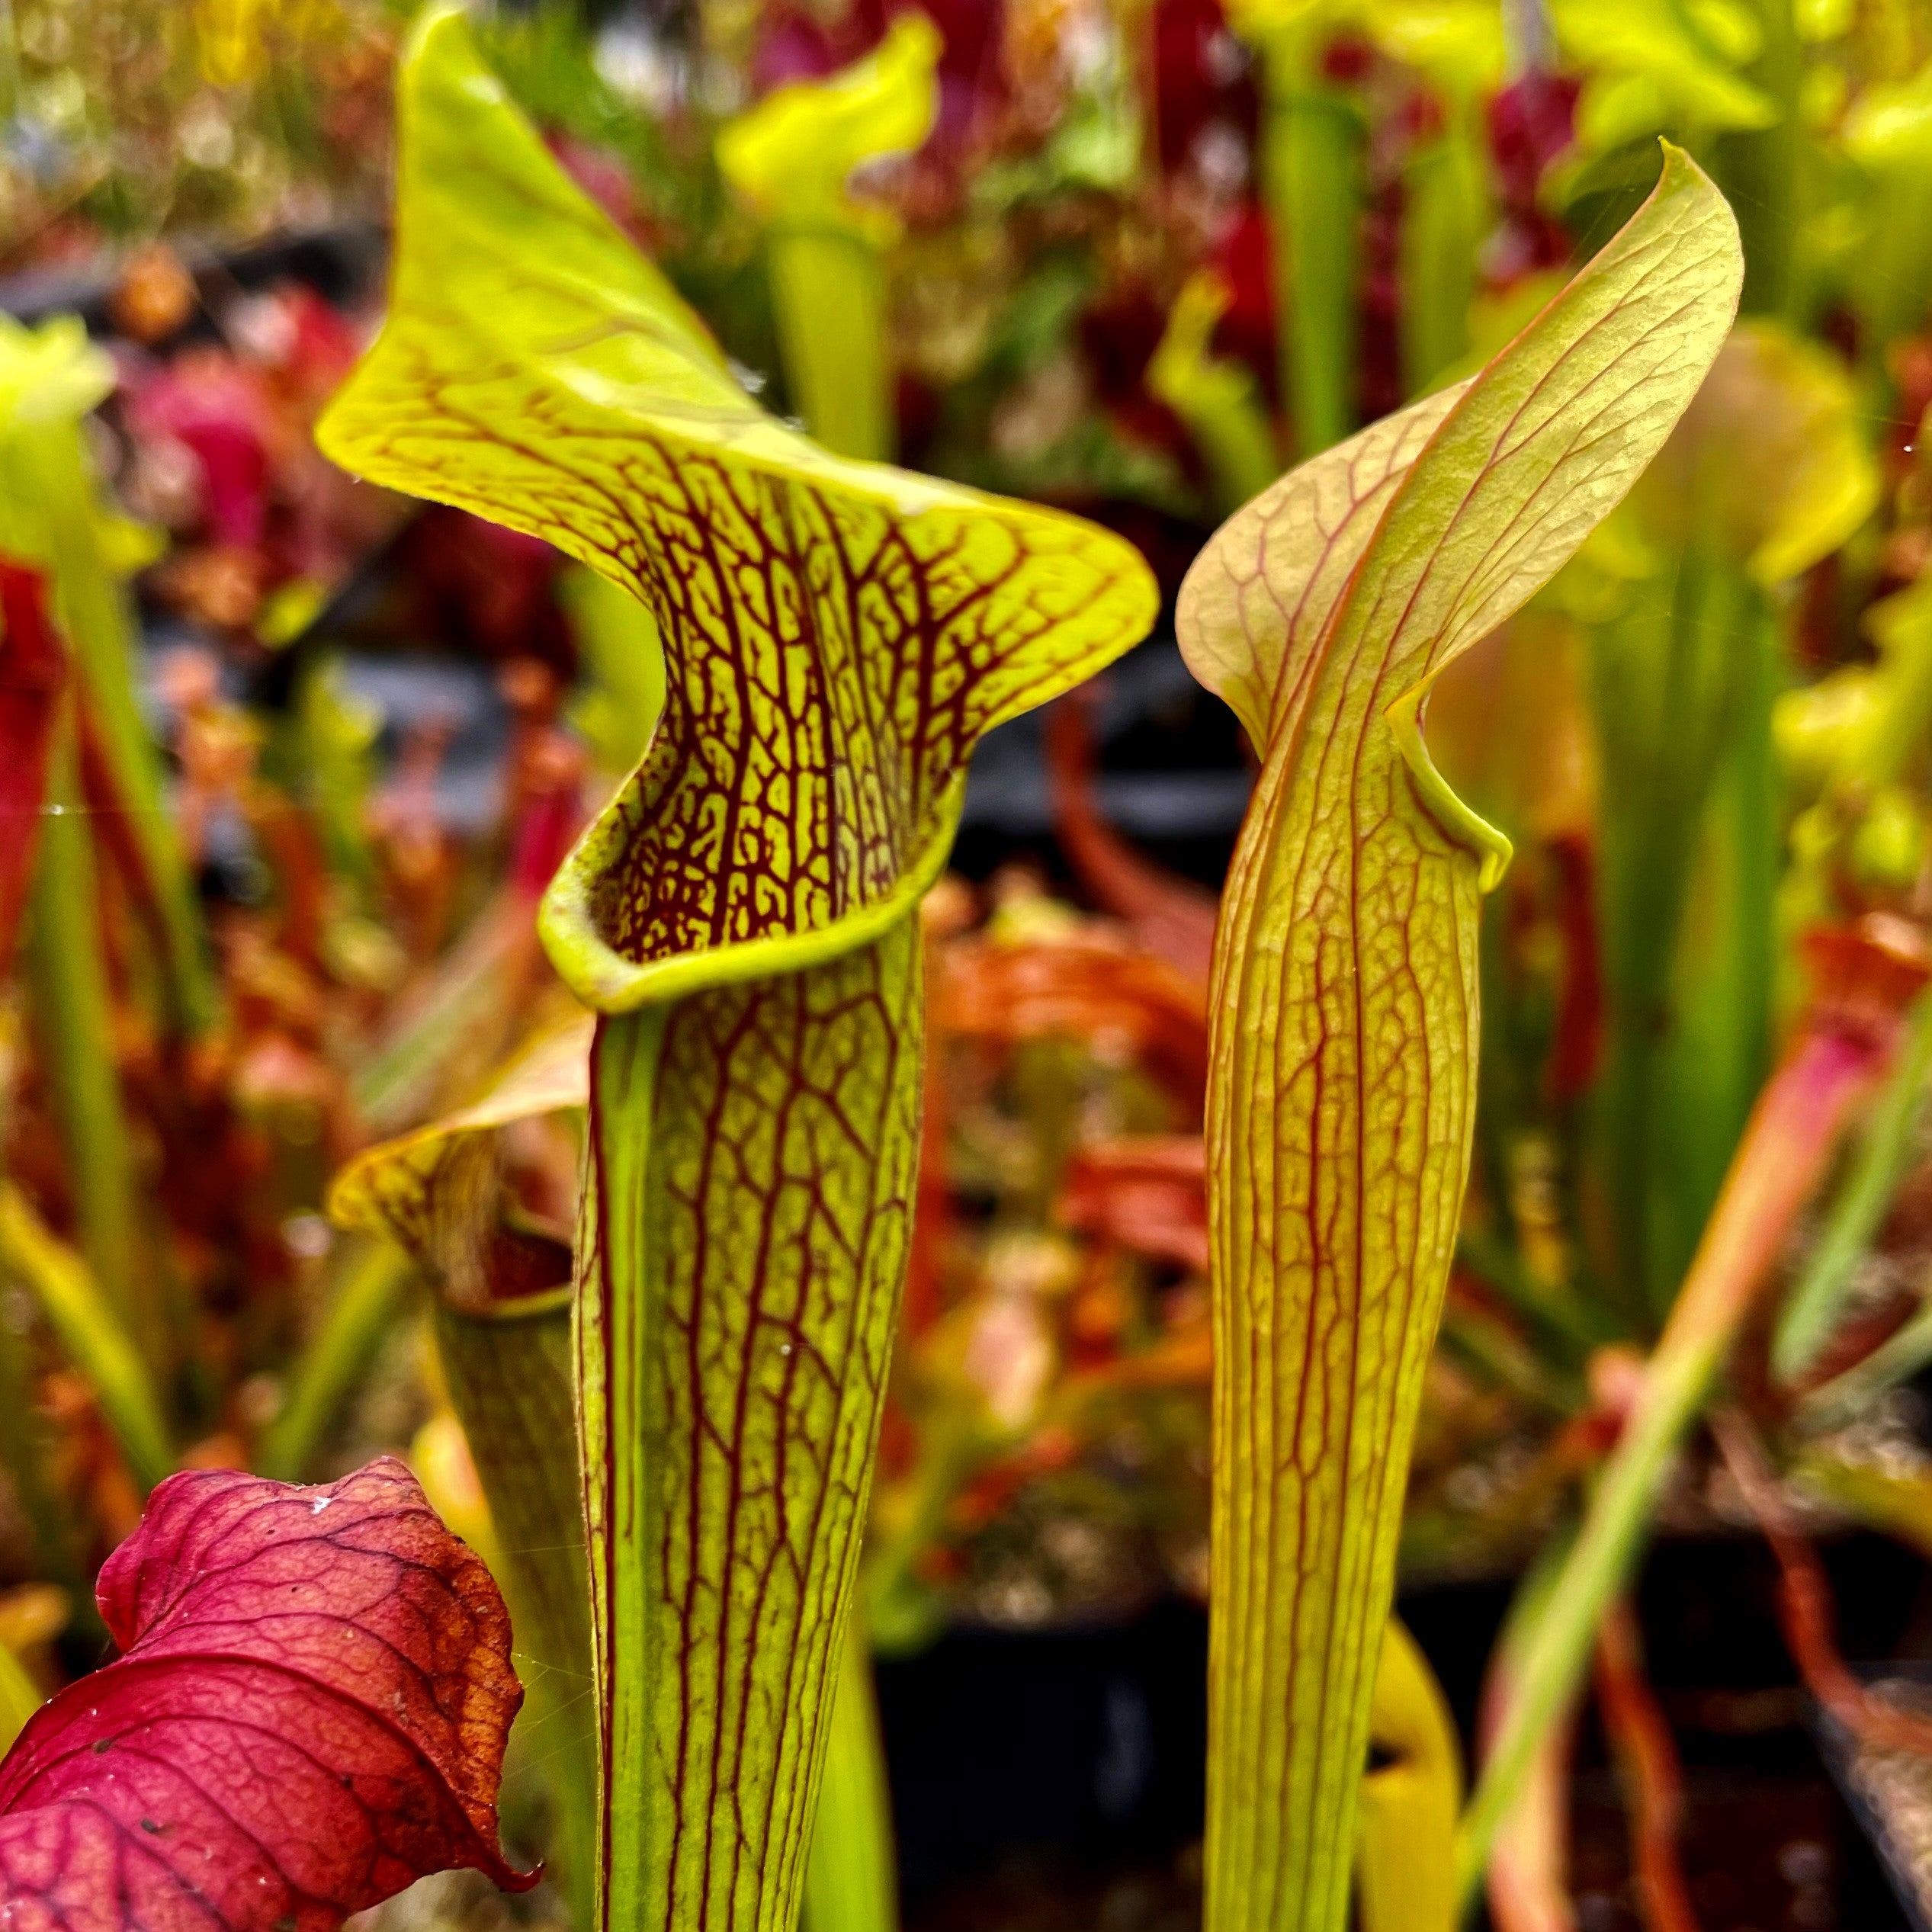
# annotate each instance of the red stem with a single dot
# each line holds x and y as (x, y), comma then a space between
(1171, 916)
(1805, 1611)
(1647, 1758)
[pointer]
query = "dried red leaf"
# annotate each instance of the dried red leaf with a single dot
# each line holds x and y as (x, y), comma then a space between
(33, 668)
(1146, 1193)
(1170, 917)
(309, 1714)
(1085, 987)
(1805, 1609)
(1865, 975)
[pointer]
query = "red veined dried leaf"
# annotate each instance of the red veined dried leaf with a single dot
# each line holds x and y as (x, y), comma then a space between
(33, 668)
(308, 1715)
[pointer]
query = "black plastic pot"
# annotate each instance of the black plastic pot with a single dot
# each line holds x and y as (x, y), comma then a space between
(1056, 1757)
(1090, 1739)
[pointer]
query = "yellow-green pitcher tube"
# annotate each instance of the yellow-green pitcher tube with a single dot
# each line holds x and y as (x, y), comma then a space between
(1311, 163)
(836, 635)
(791, 157)
(1343, 1019)
(828, 293)
(850, 1879)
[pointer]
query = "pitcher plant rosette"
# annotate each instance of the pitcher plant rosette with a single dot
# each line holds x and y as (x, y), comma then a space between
(836, 635)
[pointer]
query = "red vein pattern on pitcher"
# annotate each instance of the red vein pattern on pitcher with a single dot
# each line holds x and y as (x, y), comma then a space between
(836, 634)
(766, 1403)
(1343, 1010)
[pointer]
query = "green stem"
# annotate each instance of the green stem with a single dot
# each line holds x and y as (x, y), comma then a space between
(96, 618)
(1217, 397)
(1236, 443)
(1784, 1151)
(91, 1334)
(72, 1009)
(828, 288)
(1527, 1887)
(1666, 676)
(373, 1282)
(1311, 159)
(509, 1373)
(850, 1882)
(1715, 1061)
(1443, 224)
(24, 1451)
(793, 157)
(1897, 1359)
(1887, 1150)
(1758, 167)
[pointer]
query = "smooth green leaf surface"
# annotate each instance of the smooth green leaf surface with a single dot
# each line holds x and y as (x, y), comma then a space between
(1344, 1010)
(1313, 164)
(850, 1879)
(835, 635)
(1405, 1855)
